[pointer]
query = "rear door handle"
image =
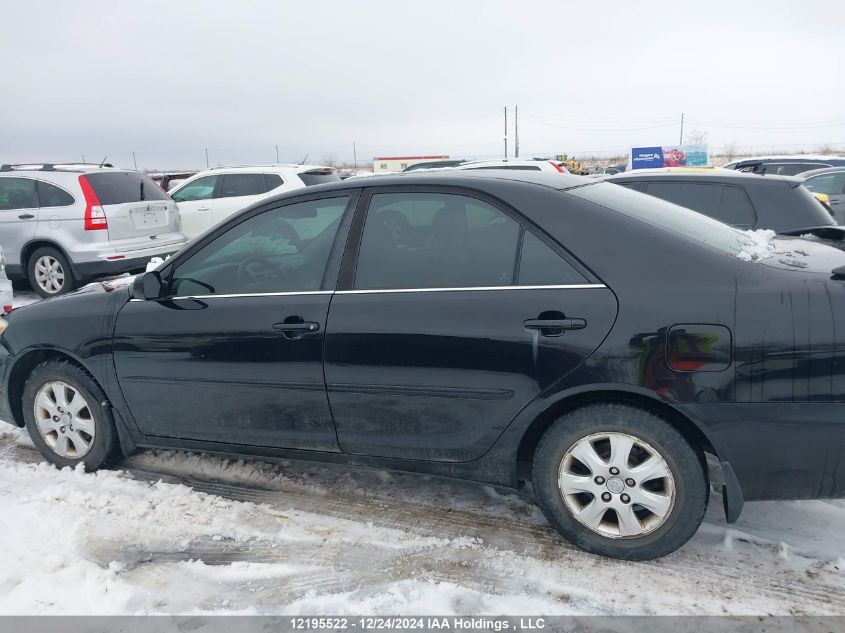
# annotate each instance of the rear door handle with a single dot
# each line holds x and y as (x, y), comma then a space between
(554, 327)
(26, 216)
(203, 208)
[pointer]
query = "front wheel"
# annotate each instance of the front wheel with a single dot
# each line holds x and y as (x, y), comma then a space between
(68, 417)
(620, 482)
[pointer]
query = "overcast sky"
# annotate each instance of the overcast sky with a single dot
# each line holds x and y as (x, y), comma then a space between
(168, 79)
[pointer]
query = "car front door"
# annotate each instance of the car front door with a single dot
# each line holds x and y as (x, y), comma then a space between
(18, 218)
(195, 200)
(234, 353)
(450, 317)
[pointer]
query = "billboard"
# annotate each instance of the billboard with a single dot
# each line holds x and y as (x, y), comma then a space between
(669, 156)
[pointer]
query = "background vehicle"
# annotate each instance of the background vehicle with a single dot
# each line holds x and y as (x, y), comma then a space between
(435, 164)
(63, 224)
(784, 165)
(6, 292)
(517, 164)
(741, 200)
(829, 181)
(211, 196)
(170, 179)
(611, 350)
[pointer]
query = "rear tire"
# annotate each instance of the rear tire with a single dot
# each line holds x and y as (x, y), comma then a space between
(68, 416)
(49, 272)
(593, 466)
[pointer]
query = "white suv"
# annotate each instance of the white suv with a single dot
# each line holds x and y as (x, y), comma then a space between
(213, 195)
(61, 225)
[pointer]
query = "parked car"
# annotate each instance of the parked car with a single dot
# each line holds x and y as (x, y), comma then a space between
(170, 179)
(621, 352)
(830, 182)
(6, 292)
(742, 200)
(64, 224)
(211, 196)
(784, 165)
(517, 164)
(435, 164)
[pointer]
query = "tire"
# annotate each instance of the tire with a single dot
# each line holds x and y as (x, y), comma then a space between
(65, 433)
(49, 272)
(672, 482)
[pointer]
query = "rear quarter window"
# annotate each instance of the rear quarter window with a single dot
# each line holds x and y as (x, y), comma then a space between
(122, 187)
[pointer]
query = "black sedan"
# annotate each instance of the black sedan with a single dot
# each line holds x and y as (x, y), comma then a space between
(620, 352)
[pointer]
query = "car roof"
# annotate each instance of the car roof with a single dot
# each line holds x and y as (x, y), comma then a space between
(472, 179)
(47, 168)
(282, 167)
(792, 158)
(727, 175)
(506, 161)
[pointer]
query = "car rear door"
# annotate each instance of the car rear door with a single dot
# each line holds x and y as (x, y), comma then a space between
(138, 213)
(234, 354)
(451, 316)
(18, 216)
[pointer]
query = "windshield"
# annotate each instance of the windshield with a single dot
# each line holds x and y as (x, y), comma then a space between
(667, 216)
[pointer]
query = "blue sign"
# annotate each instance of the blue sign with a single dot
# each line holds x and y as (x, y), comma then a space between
(646, 157)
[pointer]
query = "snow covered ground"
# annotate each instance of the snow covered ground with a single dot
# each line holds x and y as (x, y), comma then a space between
(182, 533)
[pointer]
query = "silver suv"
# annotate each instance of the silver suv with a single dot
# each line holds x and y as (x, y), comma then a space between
(61, 225)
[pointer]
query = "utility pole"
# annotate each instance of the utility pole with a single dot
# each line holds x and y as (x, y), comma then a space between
(206, 158)
(506, 132)
(277, 153)
(354, 156)
(681, 142)
(134, 161)
(83, 159)
(516, 131)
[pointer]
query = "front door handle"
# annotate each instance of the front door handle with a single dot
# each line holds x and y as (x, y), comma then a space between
(204, 209)
(295, 327)
(554, 327)
(26, 216)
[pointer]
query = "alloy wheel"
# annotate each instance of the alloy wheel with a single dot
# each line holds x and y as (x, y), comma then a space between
(617, 485)
(49, 274)
(64, 419)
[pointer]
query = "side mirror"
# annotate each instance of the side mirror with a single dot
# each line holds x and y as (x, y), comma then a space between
(148, 286)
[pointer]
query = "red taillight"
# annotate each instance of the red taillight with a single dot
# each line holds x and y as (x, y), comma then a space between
(7, 309)
(556, 166)
(95, 217)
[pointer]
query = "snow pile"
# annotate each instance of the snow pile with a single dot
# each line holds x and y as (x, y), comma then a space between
(300, 538)
(756, 245)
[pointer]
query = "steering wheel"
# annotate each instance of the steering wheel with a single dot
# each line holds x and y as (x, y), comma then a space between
(257, 270)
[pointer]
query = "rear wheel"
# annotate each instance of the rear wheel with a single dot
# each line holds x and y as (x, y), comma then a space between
(49, 272)
(620, 481)
(66, 418)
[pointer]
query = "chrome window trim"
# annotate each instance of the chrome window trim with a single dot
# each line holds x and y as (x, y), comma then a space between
(384, 290)
(470, 288)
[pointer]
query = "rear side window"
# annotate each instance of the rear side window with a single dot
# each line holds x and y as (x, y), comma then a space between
(435, 240)
(51, 196)
(539, 265)
(735, 208)
(234, 185)
(17, 193)
(700, 197)
(122, 187)
(311, 178)
(271, 181)
(789, 169)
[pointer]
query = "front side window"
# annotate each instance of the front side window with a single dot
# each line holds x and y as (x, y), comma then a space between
(830, 184)
(236, 185)
(285, 249)
(199, 189)
(435, 240)
(17, 193)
